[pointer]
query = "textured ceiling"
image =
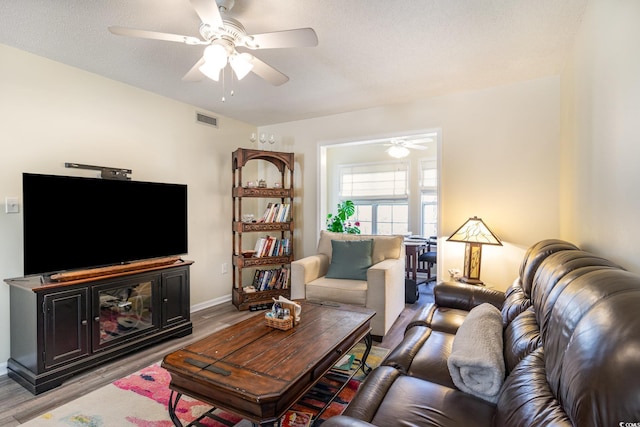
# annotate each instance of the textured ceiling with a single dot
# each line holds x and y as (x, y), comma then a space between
(370, 52)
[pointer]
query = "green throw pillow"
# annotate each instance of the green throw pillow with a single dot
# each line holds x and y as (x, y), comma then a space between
(350, 259)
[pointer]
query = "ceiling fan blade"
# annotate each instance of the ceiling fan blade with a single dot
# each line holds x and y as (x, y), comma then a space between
(421, 140)
(267, 72)
(155, 35)
(208, 12)
(301, 37)
(194, 74)
(413, 146)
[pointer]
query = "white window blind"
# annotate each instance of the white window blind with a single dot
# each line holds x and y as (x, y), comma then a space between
(374, 181)
(428, 174)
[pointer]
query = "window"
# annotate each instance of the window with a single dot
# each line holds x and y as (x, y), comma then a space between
(429, 197)
(380, 193)
(374, 180)
(429, 204)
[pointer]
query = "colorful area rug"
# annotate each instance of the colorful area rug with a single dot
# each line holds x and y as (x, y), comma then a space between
(141, 398)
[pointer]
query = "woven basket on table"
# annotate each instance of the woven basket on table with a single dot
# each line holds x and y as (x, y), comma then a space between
(283, 324)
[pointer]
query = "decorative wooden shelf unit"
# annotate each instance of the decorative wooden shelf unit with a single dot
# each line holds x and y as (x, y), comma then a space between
(284, 230)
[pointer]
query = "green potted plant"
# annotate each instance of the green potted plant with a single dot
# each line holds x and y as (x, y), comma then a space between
(340, 222)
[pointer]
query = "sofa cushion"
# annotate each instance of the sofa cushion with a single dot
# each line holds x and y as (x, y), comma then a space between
(423, 354)
(521, 337)
(515, 302)
(556, 273)
(384, 247)
(351, 259)
(453, 301)
(526, 399)
(389, 399)
(534, 257)
(339, 290)
(443, 319)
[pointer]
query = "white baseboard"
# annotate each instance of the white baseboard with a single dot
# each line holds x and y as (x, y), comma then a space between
(3, 368)
(211, 303)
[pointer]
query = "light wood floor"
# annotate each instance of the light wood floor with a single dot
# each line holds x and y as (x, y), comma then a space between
(18, 406)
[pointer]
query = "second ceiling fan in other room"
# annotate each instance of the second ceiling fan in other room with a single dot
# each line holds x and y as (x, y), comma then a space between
(400, 147)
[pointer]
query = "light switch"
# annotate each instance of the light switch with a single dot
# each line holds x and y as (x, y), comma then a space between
(11, 205)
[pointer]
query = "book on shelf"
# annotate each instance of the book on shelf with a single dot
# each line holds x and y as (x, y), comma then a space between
(286, 247)
(272, 280)
(268, 279)
(263, 218)
(275, 212)
(284, 278)
(263, 280)
(345, 363)
(258, 247)
(261, 245)
(267, 246)
(272, 212)
(296, 419)
(283, 213)
(270, 246)
(256, 279)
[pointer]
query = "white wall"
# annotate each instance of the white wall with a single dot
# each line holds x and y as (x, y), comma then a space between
(500, 161)
(601, 133)
(51, 114)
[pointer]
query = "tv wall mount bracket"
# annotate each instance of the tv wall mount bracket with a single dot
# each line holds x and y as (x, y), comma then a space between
(105, 171)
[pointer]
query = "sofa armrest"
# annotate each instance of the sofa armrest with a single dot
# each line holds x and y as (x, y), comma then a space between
(465, 297)
(385, 293)
(306, 270)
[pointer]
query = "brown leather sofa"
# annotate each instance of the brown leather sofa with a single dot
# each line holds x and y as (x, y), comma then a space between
(571, 345)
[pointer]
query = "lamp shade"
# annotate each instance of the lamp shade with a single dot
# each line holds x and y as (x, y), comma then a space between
(475, 233)
(474, 230)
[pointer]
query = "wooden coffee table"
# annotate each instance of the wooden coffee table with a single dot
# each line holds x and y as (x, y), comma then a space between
(259, 372)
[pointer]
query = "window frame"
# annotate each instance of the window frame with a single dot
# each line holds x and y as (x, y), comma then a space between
(375, 201)
(428, 190)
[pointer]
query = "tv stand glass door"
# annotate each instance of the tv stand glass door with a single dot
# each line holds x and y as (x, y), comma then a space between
(125, 310)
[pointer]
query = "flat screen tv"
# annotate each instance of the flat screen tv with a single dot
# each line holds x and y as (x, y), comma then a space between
(73, 223)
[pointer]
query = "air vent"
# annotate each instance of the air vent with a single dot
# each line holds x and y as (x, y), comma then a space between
(207, 120)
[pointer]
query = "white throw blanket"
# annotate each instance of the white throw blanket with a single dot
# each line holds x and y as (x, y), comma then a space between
(476, 363)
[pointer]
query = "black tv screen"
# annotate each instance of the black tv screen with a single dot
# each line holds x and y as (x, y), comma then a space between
(76, 223)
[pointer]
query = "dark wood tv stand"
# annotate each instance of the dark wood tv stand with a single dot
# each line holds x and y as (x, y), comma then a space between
(61, 328)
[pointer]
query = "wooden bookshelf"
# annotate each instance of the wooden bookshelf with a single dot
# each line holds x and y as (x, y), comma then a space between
(276, 221)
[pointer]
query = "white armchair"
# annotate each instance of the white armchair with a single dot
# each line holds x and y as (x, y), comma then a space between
(382, 291)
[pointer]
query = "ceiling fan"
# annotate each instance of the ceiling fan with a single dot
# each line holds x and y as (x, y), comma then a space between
(223, 35)
(399, 147)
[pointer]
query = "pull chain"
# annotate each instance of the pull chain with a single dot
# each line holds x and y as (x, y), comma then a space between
(223, 81)
(232, 92)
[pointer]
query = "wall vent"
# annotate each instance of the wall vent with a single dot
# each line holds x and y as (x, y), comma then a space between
(207, 120)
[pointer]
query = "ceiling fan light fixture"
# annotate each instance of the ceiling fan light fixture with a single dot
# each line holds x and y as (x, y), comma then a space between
(241, 64)
(398, 151)
(215, 56)
(210, 71)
